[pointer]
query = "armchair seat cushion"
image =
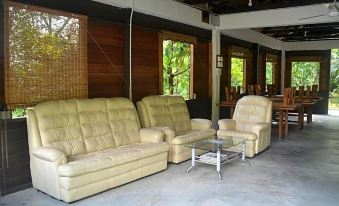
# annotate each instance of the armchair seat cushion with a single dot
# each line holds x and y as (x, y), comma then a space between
(95, 161)
(192, 136)
(236, 133)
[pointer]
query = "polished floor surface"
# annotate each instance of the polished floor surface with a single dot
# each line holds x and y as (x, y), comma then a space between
(300, 170)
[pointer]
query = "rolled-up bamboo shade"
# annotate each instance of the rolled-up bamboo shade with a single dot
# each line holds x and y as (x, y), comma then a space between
(45, 55)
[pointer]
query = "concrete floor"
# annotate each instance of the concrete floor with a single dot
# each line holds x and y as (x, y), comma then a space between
(302, 170)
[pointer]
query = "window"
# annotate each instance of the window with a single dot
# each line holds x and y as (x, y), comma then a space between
(305, 73)
(177, 72)
(237, 71)
(45, 55)
(269, 73)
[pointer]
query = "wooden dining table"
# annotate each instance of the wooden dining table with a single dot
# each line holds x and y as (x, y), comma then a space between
(306, 102)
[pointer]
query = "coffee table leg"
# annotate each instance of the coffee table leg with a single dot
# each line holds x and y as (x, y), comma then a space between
(218, 164)
(193, 160)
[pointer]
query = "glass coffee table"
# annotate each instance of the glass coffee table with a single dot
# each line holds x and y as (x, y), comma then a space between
(218, 151)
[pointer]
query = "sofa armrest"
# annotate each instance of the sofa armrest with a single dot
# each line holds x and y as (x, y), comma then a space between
(169, 133)
(228, 124)
(201, 124)
(259, 127)
(151, 135)
(50, 154)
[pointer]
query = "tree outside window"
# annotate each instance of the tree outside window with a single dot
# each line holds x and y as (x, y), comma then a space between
(269, 73)
(305, 73)
(237, 71)
(176, 68)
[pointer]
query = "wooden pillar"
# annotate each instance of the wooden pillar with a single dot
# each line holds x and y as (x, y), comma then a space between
(2, 59)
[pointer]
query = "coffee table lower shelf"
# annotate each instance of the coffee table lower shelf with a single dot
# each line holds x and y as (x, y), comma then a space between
(217, 158)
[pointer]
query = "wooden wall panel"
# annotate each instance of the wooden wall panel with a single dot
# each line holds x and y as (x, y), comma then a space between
(105, 79)
(145, 63)
(261, 76)
(202, 70)
(225, 78)
(250, 76)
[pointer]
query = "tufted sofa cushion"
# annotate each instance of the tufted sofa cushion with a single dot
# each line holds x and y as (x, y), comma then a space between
(166, 111)
(95, 161)
(81, 126)
(59, 126)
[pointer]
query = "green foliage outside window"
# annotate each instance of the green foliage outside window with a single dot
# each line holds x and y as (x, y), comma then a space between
(334, 80)
(18, 113)
(269, 73)
(305, 73)
(237, 72)
(176, 73)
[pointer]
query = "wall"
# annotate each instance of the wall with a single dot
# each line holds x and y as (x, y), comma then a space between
(145, 62)
(105, 79)
(202, 71)
(14, 174)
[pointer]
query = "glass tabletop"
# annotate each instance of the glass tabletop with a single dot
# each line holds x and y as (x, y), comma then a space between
(213, 145)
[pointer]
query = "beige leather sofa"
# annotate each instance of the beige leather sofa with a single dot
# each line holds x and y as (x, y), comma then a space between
(252, 120)
(82, 147)
(170, 114)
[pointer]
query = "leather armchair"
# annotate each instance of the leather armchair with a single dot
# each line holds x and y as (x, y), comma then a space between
(251, 119)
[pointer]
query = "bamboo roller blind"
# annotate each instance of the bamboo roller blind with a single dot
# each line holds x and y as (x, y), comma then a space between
(45, 55)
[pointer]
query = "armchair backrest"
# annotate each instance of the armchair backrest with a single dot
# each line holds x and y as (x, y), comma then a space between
(164, 111)
(252, 109)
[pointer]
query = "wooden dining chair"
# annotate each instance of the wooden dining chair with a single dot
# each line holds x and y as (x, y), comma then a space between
(250, 89)
(314, 91)
(308, 91)
(258, 89)
(301, 91)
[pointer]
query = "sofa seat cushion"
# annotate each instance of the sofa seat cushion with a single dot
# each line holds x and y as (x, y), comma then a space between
(91, 162)
(192, 136)
(236, 133)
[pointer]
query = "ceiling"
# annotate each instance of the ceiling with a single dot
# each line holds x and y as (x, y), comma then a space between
(310, 32)
(236, 6)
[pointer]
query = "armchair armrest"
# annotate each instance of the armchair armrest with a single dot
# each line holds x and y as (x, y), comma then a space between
(50, 154)
(151, 135)
(259, 127)
(228, 124)
(201, 124)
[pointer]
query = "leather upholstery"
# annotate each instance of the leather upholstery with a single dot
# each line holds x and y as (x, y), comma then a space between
(170, 115)
(251, 119)
(73, 140)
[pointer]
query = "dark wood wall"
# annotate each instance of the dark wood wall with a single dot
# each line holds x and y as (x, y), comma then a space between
(322, 56)
(105, 55)
(202, 71)
(145, 62)
(14, 170)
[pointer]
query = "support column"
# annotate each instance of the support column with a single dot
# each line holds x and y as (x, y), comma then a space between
(216, 73)
(283, 68)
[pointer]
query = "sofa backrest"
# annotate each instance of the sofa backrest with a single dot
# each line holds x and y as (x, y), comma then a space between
(164, 111)
(252, 109)
(84, 125)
